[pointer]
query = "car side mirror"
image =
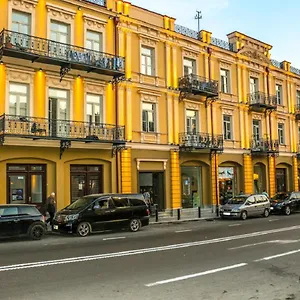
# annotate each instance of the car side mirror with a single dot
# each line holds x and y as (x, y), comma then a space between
(247, 203)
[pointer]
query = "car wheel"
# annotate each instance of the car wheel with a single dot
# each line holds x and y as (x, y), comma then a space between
(135, 225)
(36, 231)
(266, 213)
(287, 210)
(83, 229)
(244, 215)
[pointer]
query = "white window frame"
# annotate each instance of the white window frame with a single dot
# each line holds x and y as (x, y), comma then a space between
(225, 128)
(197, 121)
(298, 98)
(93, 104)
(24, 13)
(255, 84)
(18, 101)
(225, 81)
(92, 40)
(52, 21)
(152, 60)
(281, 134)
(255, 137)
(193, 66)
(279, 93)
(154, 111)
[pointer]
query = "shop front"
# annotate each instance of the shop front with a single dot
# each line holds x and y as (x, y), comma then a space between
(259, 178)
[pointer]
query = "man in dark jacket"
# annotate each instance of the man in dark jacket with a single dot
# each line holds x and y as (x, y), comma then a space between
(51, 207)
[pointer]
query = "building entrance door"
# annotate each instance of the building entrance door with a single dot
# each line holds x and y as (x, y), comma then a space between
(153, 183)
(281, 180)
(26, 184)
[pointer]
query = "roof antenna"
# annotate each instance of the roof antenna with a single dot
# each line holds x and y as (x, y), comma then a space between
(198, 17)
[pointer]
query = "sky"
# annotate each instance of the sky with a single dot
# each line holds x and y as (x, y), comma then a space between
(275, 22)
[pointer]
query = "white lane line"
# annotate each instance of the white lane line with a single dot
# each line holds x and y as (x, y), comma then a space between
(141, 251)
(114, 238)
(282, 242)
(234, 225)
(273, 220)
(181, 231)
(278, 255)
(196, 275)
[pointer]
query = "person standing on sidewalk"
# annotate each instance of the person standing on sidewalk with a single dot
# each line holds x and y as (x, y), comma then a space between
(51, 207)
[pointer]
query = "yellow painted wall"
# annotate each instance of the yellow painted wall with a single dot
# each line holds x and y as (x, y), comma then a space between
(175, 180)
(4, 16)
(214, 164)
(126, 170)
(248, 174)
(78, 96)
(39, 94)
(3, 88)
(41, 16)
(272, 179)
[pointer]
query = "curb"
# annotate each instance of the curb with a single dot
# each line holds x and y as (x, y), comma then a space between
(183, 221)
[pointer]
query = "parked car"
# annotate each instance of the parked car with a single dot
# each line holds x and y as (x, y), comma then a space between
(103, 212)
(21, 219)
(285, 202)
(244, 206)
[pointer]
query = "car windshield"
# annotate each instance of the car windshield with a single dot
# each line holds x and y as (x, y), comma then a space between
(80, 203)
(281, 196)
(237, 200)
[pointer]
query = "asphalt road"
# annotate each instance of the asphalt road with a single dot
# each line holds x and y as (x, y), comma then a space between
(253, 259)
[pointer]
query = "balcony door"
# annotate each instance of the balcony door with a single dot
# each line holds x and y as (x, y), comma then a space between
(256, 130)
(191, 121)
(59, 112)
(253, 85)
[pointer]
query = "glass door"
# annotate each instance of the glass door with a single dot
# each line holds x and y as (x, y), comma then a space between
(78, 186)
(36, 190)
(17, 188)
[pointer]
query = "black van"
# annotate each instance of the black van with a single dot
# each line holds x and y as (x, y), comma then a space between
(102, 212)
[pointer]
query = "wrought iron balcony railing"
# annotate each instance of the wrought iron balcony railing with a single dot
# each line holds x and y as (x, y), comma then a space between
(33, 48)
(199, 140)
(263, 100)
(197, 85)
(42, 128)
(264, 145)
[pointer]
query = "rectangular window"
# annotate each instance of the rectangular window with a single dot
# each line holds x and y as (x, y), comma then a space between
(227, 127)
(279, 94)
(147, 61)
(256, 129)
(60, 32)
(94, 40)
(191, 121)
(189, 66)
(94, 109)
(225, 81)
(148, 111)
(18, 99)
(253, 85)
(298, 99)
(21, 22)
(281, 134)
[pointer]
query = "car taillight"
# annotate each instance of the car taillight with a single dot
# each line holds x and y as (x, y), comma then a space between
(148, 212)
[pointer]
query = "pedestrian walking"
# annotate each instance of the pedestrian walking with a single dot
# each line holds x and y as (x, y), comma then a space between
(51, 207)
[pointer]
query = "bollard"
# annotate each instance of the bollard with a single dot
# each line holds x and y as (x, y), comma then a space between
(156, 213)
(199, 212)
(178, 214)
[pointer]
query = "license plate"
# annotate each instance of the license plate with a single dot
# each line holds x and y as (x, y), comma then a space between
(226, 213)
(55, 227)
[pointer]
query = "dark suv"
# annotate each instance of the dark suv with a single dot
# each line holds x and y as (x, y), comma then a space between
(102, 212)
(285, 203)
(21, 219)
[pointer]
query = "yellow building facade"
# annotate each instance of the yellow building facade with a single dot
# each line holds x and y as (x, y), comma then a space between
(104, 96)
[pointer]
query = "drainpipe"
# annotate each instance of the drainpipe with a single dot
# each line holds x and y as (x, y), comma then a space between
(209, 50)
(116, 41)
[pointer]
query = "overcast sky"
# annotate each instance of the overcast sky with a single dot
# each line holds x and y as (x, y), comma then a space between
(275, 22)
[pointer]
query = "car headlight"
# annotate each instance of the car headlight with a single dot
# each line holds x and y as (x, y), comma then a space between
(71, 217)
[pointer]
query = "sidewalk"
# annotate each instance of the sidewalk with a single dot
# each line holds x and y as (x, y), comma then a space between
(186, 215)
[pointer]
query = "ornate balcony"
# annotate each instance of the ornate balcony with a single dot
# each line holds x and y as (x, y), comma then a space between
(42, 128)
(35, 49)
(200, 141)
(264, 146)
(260, 101)
(297, 111)
(193, 85)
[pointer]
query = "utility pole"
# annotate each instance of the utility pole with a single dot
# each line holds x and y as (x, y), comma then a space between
(198, 17)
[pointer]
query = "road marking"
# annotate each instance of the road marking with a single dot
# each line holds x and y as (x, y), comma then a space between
(273, 220)
(196, 275)
(234, 225)
(278, 255)
(115, 238)
(266, 242)
(141, 251)
(181, 231)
